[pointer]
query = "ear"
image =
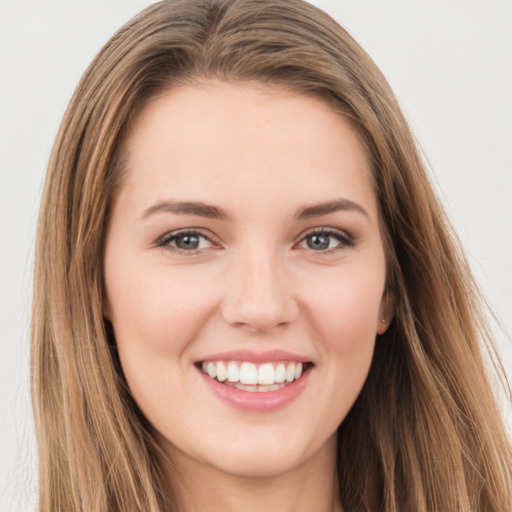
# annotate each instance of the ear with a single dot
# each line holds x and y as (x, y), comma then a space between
(386, 312)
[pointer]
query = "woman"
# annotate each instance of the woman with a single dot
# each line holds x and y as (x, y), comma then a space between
(246, 293)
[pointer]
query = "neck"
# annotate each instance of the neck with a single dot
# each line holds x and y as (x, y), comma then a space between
(311, 486)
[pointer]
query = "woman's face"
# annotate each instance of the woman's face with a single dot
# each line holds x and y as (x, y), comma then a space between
(245, 242)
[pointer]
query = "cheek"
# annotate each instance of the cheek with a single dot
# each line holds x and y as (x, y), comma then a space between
(155, 313)
(149, 298)
(346, 308)
(345, 314)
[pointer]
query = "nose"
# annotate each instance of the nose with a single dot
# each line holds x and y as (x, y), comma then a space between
(259, 295)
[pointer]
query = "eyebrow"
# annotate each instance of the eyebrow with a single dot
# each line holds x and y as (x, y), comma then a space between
(214, 212)
(317, 210)
(186, 208)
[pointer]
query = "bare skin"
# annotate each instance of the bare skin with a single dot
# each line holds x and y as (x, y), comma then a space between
(309, 487)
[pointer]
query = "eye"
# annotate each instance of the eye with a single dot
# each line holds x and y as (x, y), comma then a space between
(185, 240)
(325, 240)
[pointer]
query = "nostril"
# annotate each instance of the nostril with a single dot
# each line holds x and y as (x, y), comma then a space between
(259, 297)
(259, 318)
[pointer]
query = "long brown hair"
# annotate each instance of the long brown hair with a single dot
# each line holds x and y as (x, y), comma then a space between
(424, 435)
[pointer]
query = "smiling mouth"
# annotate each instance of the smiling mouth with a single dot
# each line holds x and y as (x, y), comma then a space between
(252, 377)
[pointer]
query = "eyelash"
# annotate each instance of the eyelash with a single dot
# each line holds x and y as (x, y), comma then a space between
(166, 240)
(344, 239)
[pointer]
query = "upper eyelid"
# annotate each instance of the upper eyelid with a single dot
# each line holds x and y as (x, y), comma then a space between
(324, 229)
(327, 230)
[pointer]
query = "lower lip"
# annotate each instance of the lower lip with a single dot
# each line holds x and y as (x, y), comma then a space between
(257, 401)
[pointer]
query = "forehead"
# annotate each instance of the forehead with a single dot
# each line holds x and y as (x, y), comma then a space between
(243, 140)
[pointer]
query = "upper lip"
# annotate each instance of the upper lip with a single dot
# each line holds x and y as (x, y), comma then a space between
(256, 357)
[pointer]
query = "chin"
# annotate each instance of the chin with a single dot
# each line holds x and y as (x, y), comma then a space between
(258, 463)
(262, 453)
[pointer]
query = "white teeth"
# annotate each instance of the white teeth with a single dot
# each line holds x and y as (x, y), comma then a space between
(212, 370)
(280, 373)
(266, 374)
(256, 389)
(273, 387)
(233, 372)
(248, 373)
(222, 373)
(250, 377)
(290, 373)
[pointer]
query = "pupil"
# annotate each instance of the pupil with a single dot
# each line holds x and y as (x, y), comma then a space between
(318, 242)
(187, 242)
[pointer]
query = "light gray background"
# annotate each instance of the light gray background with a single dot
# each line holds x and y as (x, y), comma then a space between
(449, 62)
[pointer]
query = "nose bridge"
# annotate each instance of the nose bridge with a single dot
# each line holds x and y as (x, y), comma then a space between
(259, 293)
